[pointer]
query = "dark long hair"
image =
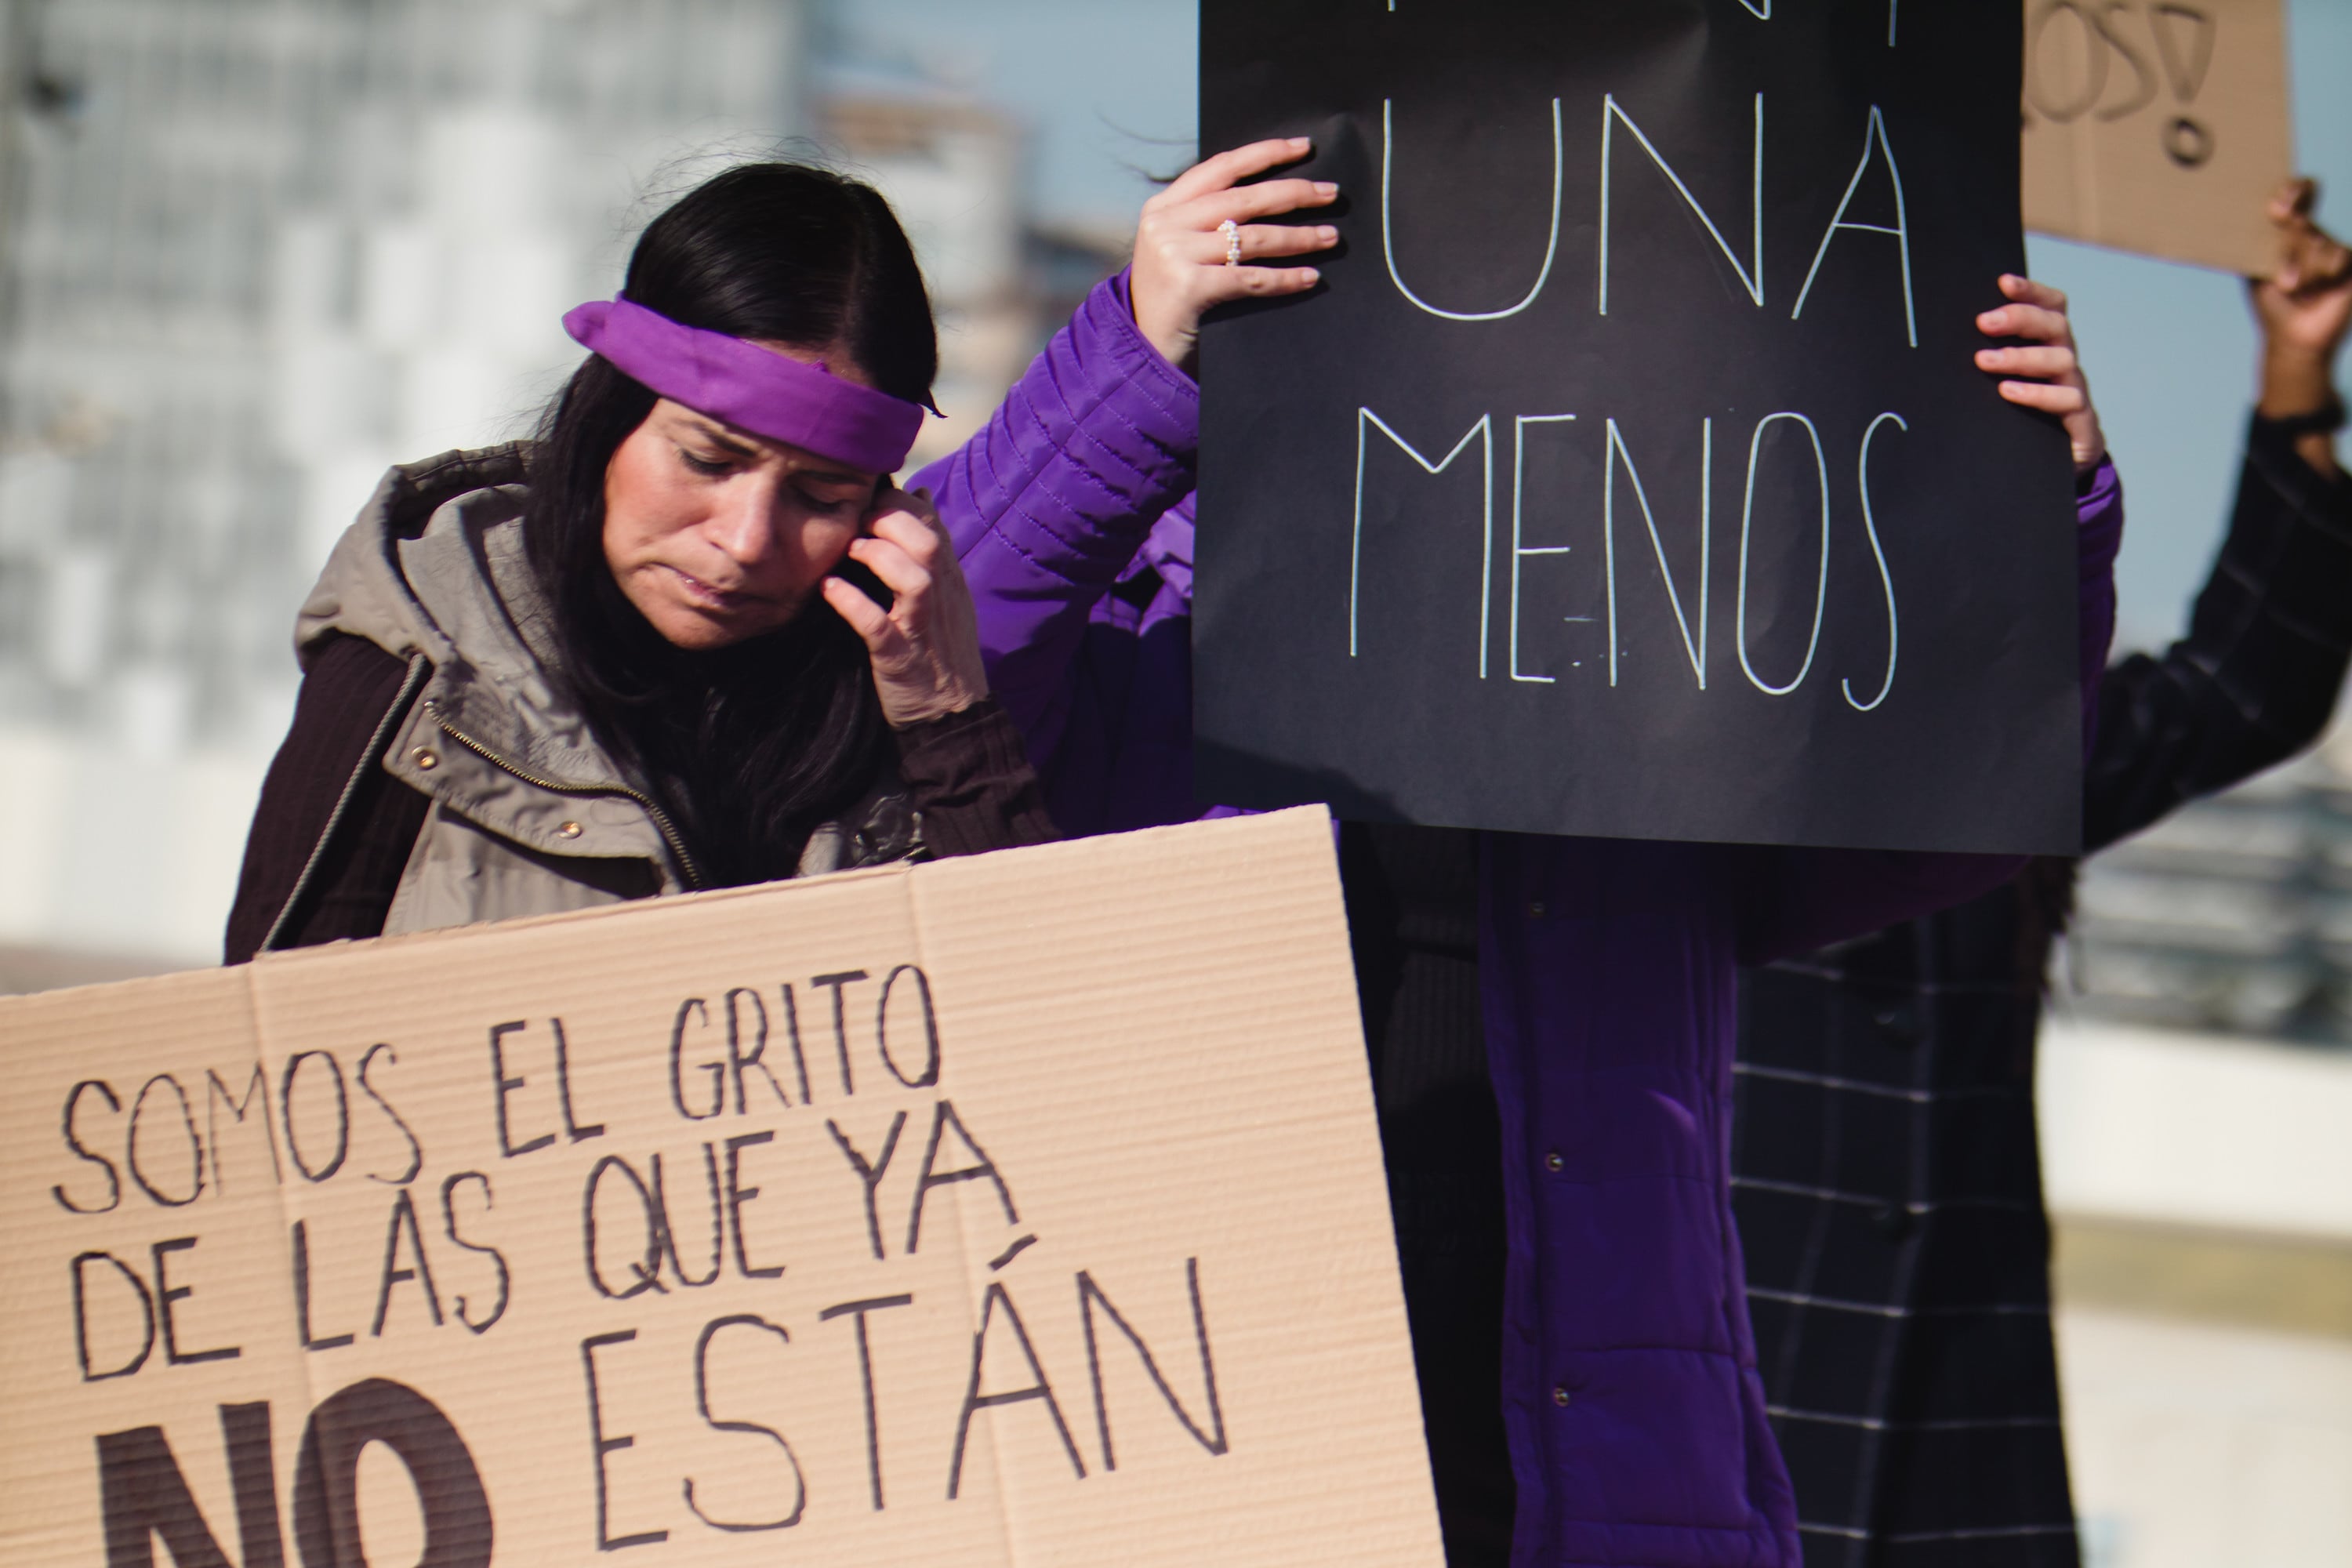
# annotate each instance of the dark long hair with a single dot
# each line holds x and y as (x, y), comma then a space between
(748, 746)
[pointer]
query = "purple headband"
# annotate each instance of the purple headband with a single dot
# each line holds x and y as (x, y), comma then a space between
(754, 388)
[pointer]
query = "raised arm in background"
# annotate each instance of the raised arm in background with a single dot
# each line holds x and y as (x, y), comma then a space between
(2257, 675)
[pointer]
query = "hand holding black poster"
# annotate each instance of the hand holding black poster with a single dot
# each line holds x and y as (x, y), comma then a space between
(1631, 473)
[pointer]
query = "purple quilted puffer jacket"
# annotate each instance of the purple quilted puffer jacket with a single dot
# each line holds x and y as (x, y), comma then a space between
(1629, 1392)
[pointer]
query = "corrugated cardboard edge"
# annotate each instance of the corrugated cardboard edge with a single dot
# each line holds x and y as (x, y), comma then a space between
(1079, 849)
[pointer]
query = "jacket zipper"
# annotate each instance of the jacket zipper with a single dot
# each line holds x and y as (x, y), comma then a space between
(372, 757)
(670, 832)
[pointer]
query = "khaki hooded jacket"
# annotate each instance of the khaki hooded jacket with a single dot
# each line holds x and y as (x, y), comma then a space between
(530, 815)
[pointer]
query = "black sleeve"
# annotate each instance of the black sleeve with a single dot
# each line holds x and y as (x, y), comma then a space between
(2256, 678)
(348, 693)
(970, 779)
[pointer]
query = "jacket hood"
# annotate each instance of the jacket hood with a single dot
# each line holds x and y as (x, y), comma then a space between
(435, 565)
(433, 568)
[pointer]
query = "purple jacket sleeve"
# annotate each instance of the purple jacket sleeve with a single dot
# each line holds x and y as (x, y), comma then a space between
(1799, 899)
(2099, 519)
(1052, 498)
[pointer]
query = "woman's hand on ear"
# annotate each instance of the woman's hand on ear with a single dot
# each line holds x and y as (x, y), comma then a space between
(926, 646)
(1181, 251)
(2048, 374)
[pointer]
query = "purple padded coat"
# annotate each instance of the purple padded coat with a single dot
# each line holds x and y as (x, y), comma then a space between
(1630, 1393)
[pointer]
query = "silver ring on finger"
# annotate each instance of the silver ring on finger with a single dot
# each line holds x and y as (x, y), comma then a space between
(1233, 233)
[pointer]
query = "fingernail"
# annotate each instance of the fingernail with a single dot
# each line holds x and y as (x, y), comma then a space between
(1302, 142)
(1326, 188)
(1311, 274)
(1327, 234)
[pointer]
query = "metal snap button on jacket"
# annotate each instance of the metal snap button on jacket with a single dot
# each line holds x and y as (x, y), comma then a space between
(1552, 1162)
(1560, 1397)
(425, 757)
(570, 830)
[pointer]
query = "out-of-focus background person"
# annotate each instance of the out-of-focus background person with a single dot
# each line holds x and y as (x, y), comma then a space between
(252, 251)
(1885, 1168)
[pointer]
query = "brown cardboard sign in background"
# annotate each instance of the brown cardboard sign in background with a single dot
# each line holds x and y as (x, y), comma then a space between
(1016, 1210)
(2159, 126)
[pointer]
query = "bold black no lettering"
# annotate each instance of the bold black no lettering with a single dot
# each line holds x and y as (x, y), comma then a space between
(458, 1526)
(142, 1494)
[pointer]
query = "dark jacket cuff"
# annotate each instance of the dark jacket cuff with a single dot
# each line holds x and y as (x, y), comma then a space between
(972, 784)
(2325, 498)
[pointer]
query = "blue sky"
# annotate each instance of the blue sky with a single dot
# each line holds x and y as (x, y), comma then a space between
(1106, 89)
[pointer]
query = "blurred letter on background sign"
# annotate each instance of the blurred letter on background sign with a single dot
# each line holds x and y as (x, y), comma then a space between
(2159, 126)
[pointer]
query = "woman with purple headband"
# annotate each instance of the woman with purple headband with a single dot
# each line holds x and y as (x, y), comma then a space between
(693, 634)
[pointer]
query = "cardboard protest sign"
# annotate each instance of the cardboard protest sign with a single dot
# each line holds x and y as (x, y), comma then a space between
(1630, 474)
(1018, 1210)
(2159, 126)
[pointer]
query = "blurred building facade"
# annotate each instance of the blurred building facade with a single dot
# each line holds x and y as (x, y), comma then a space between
(251, 253)
(2233, 915)
(954, 169)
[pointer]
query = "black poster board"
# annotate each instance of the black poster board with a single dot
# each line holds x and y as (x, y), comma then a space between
(1629, 474)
